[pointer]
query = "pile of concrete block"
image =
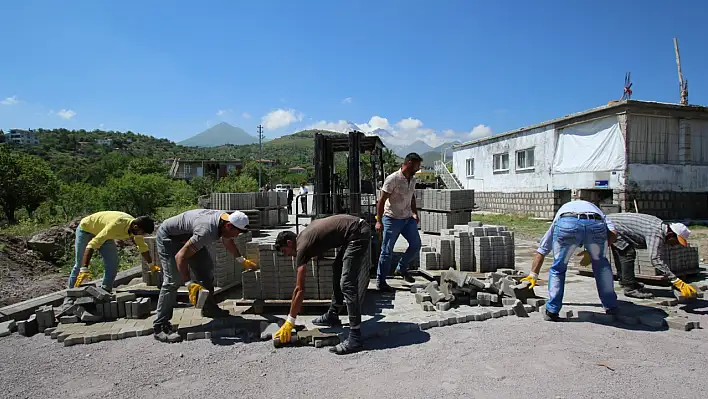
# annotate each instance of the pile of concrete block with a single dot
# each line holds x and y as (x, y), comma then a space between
(271, 206)
(277, 275)
(227, 272)
(501, 288)
(93, 304)
(443, 209)
(470, 247)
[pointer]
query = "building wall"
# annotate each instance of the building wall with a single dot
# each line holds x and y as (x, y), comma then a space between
(542, 140)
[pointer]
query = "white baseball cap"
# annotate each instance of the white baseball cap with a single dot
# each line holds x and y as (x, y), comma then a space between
(682, 232)
(238, 219)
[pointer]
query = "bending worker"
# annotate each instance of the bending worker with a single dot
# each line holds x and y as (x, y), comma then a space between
(99, 232)
(352, 236)
(640, 231)
(576, 223)
(182, 242)
(397, 214)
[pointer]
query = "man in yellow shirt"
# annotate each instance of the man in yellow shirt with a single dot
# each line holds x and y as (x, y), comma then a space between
(99, 232)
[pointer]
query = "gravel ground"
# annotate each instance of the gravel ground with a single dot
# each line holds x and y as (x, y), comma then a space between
(508, 357)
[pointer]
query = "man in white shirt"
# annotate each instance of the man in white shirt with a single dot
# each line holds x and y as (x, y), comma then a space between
(576, 223)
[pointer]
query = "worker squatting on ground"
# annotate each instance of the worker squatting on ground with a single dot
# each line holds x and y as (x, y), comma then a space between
(640, 231)
(182, 246)
(397, 214)
(99, 232)
(576, 223)
(352, 236)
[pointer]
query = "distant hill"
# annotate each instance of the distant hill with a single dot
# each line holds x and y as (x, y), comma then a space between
(218, 135)
(433, 155)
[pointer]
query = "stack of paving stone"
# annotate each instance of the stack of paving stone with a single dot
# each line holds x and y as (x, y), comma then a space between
(470, 247)
(277, 274)
(267, 209)
(227, 271)
(443, 209)
(94, 304)
(459, 289)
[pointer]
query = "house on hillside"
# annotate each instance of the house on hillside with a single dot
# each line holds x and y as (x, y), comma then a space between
(298, 170)
(106, 142)
(21, 136)
(216, 169)
(267, 162)
(648, 153)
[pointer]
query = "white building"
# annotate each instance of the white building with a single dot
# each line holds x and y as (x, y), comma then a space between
(21, 136)
(653, 153)
(106, 142)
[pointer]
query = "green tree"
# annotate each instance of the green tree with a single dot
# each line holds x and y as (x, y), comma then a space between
(26, 181)
(146, 166)
(240, 183)
(137, 194)
(202, 185)
(182, 194)
(78, 199)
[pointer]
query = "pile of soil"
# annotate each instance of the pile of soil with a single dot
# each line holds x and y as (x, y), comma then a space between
(23, 274)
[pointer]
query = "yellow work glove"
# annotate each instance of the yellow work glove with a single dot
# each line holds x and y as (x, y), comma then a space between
(286, 331)
(531, 278)
(193, 289)
(83, 277)
(686, 289)
(586, 258)
(246, 263)
(154, 268)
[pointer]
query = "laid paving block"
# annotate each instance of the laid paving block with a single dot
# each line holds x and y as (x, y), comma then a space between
(474, 302)
(680, 323)
(88, 317)
(121, 309)
(76, 292)
(128, 309)
(114, 310)
(143, 307)
(442, 306)
(428, 306)
(135, 309)
(68, 319)
(125, 296)
(98, 293)
(509, 301)
(499, 313)
(7, 328)
(566, 313)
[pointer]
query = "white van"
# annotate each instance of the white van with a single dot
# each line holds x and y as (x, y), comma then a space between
(282, 188)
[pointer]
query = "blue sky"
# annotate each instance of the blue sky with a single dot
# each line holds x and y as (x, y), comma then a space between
(420, 69)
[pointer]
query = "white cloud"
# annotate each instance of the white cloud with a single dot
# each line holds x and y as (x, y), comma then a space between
(223, 112)
(246, 115)
(409, 123)
(10, 101)
(404, 132)
(480, 131)
(281, 118)
(100, 126)
(66, 114)
(347, 100)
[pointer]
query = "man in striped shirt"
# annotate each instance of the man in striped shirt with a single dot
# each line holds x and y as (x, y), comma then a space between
(640, 231)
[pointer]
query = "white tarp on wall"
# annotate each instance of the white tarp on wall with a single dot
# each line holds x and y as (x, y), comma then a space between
(590, 147)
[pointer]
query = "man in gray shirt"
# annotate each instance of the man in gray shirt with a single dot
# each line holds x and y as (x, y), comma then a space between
(640, 231)
(182, 242)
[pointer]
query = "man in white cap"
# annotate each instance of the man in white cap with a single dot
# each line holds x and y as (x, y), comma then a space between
(182, 242)
(640, 231)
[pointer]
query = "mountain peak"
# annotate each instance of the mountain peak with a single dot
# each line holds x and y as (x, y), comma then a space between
(220, 134)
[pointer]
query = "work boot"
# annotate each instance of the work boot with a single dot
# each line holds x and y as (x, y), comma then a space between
(384, 287)
(329, 319)
(638, 294)
(213, 311)
(548, 316)
(167, 333)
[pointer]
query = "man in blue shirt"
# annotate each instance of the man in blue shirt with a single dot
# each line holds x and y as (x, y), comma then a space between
(576, 223)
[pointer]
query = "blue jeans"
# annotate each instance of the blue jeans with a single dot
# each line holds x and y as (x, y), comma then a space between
(568, 234)
(108, 251)
(392, 228)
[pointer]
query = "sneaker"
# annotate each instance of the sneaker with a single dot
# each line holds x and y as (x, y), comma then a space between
(328, 319)
(548, 316)
(348, 346)
(407, 277)
(167, 333)
(384, 287)
(638, 294)
(215, 312)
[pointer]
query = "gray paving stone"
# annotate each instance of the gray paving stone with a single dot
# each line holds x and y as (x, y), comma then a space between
(680, 323)
(86, 300)
(76, 292)
(536, 302)
(499, 313)
(98, 293)
(268, 330)
(566, 313)
(7, 328)
(519, 309)
(442, 306)
(68, 319)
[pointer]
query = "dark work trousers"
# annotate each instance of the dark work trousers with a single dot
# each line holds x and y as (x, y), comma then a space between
(350, 276)
(624, 262)
(303, 204)
(200, 265)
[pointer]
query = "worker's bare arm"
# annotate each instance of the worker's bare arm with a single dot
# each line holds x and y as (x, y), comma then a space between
(182, 260)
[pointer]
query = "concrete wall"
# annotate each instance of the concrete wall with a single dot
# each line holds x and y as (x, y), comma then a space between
(538, 204)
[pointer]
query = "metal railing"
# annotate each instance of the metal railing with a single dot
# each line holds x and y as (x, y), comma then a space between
(448, 178)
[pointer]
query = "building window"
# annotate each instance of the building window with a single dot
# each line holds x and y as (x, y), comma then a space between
(187, 169)
(470, 167)
(501, 162)
(524, 159)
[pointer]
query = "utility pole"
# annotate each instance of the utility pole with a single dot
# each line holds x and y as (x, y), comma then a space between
(683, 84)
(260, 156)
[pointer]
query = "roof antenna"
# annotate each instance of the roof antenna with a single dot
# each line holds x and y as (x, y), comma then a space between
(683, 84)
(627, 95)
